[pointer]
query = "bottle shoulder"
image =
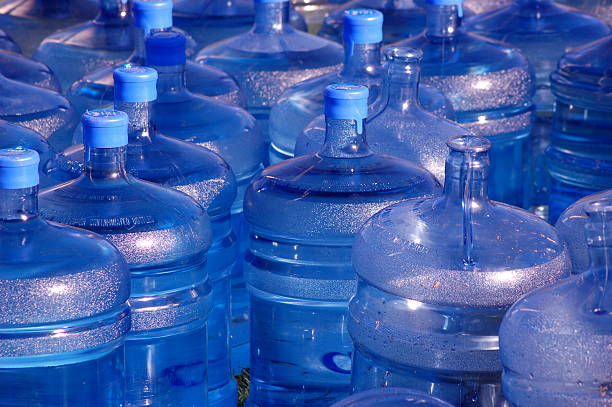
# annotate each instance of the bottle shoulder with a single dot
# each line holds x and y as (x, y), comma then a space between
(20, 68)
(98, 35)
(20, 98)
(33, 9)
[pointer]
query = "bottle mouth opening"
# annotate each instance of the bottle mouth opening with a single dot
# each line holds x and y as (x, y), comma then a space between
(469, 144)
(403, 54)
(599, 207)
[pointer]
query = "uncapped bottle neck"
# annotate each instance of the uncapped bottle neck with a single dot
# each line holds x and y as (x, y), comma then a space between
(115, 9)
(598, 231)
(443, 21)
(271, 17)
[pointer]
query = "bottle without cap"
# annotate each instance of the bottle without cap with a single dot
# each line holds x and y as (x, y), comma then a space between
(164, 236)
(398, 125)
(556, 342)
(298, 265)
(63, 302)
(490, 86)
(304, 102)
(391, 397)
(23, 69)
(435, 277)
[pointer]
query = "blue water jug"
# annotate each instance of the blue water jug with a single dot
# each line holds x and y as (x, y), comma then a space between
(23, 69)
(556, 342)
(84, 48)
(391, 397)
(397, 124)
(63, 306)
(435, 277)
(271, 57)
(164, 236)
(302, 216)
(8, 44)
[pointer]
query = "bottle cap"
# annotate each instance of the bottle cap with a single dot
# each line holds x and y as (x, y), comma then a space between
(363, 26)
(152, 14)
(18, 168)
(349, 102)
(165, 49)
(105, 128)
(458, 3)
(135, 83)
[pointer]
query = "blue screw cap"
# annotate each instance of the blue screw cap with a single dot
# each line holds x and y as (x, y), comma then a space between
(362, 26)
(348, 102)
(165, 49)
(135, 84)
(18, 168)
(152, 14)
(105, 128)
(458, 3)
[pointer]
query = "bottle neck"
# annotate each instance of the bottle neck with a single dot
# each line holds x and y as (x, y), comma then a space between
(401, 85)
(599, 240)
(171, 81)
(114, 11)
(105, 163)
(18, 204)
(360, 59)
(345, 138)
(138, 56)
(139, 125)
(443, 21)
(271, 17)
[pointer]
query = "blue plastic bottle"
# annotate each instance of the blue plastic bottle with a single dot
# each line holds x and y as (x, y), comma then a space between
(23, 69)
(271, 57)
(84, 48)
(391, 397)
(484, 6)
(302, 216)
(304, 102)
(579, 158)
(227, 130)
(397, 124)
(14, 136)
(435, 277)
(42, 110)
(199, 173)
(602, 9)
(556, 342)
(63, 306)
(543, 31)
(96, 89)
(164, 236)
(8, 44)
(490, 86)
(215, 20)
(28, 22)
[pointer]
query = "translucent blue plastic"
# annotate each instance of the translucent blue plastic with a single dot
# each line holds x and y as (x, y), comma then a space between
(205, 177)
(63, 309)
(271, 57)
(435, 277)
(28, 22)
(164, 236)
(580, 156)
(23, 69)
(602, 9)
(12, 136)
(216, 20)
(490, 86)
(302, 216)
(555, 342)
(302, 103)
(397, 124)
(391, 397)
(42, 110)
(7, 43)
(96, 89)
(84, 48)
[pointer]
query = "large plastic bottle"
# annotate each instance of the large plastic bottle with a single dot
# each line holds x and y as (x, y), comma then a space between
(302, 215)
(201, 174)
(556, 343)
(602, 9)
(84, 48)
(96, 89)
(435, 277)
(543, 31)
(210, 21)
(63, 306)
(164, 236)
(397, 124)
(42, 110)
(227, 130)
(23, 69)
(391, 397)
(579, 158)
(271, 57)
(8, 44)
(28, 22)
(490, 86)
(15, 136)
